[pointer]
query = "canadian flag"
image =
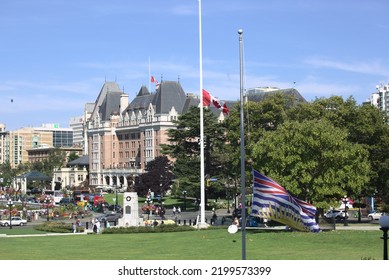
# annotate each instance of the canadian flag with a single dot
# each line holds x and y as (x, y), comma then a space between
(208, 99)
(153, 80)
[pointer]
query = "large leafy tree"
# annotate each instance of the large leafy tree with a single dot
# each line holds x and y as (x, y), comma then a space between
(158, 177)
(185, 149)
(259, 117)
(7, 173)
(313, 160)
(366, 125)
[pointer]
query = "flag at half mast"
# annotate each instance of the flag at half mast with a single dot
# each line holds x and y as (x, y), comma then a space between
(271, 201)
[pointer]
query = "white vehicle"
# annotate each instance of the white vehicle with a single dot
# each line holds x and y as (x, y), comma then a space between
(15, 221)
(58, 195)
(375, 216)
(336, 214)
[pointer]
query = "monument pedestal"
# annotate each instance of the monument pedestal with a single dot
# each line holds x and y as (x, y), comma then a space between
(130, 211)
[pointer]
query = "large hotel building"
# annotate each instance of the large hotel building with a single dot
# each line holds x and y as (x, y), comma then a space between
(123, 136)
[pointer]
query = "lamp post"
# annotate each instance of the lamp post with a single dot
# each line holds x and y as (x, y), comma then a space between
(47, 201)
(24, 208)
(162, 210)
(345, 200)
(184, 193)
(384, 223)
(148, 200)
(10, 204)
(116, 197)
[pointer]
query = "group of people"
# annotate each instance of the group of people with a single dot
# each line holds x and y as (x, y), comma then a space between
(75, 225)
(149, 223)
(176, 210)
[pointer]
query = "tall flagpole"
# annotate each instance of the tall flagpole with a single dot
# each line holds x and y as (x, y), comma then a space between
(202, 168)
(242, 153)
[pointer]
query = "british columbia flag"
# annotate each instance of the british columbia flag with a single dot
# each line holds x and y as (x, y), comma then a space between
(271, 201)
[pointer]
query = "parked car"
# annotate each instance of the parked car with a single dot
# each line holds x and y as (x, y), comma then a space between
(15, 221)
(109, 217)
(375, 215)
(336, 214)
(115, 208)
(66, 200)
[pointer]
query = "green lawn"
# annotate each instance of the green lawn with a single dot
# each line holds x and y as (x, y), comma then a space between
(198, 245)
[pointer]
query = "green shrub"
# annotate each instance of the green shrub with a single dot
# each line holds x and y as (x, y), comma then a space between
(159, 228)
(60, 227)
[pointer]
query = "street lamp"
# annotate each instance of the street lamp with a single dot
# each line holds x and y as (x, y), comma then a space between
(384, 223)
(162, 210)
(184, 193)
(148, 200)
(116, 197)
(345, 200)
(10, 204)
(47, 201)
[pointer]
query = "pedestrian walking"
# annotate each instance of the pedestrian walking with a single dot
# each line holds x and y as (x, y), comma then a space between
(94, 226)
(98, 226)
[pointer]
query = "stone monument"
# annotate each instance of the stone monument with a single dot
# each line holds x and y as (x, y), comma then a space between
(130, 211)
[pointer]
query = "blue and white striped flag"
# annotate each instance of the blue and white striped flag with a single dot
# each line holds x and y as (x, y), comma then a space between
(271, 201)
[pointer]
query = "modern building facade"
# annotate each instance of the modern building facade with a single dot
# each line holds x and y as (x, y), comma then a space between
(77, 125)
(258, 93)
(18, 142)
(14, 145)
(62, 137)
(380, 98)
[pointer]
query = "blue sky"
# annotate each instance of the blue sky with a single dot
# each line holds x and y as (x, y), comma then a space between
(56, 54)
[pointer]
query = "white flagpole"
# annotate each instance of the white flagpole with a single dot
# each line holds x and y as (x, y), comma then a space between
(242, 153)
(202, 177)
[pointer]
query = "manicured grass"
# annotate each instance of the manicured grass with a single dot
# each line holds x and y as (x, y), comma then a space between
(16, 230)
(215, 244)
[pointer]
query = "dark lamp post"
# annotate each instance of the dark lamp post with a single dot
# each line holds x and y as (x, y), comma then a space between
(10, 204)
(47, 201)
(184, 193)
(345, 200)
(148, 200)
(116, 197)
(384, 223)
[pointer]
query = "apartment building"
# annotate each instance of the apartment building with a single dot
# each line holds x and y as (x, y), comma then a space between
(14, 145)
(380, 98)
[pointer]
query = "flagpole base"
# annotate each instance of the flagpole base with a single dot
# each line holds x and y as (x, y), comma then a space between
(202, 226)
